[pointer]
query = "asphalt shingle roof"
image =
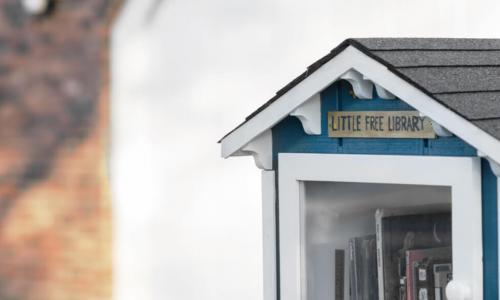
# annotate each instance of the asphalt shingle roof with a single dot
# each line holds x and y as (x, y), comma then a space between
(462, 74)
(428, 44)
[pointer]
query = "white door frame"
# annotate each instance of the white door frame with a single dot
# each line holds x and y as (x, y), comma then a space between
(462, 174)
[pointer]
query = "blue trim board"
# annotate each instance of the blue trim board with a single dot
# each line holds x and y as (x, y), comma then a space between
(289, 137)
(489, 190)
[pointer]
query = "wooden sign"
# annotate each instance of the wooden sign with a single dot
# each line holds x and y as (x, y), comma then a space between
(379, 124)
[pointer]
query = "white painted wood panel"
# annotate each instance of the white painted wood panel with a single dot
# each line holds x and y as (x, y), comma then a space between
(353, 59)
(462, 174)
(269, 234)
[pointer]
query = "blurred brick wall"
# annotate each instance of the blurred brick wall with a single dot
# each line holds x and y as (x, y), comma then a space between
(55, 213)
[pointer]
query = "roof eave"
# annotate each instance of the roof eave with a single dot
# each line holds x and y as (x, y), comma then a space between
(362, 59)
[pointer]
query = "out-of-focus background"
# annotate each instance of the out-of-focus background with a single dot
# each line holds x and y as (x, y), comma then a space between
(111, 182)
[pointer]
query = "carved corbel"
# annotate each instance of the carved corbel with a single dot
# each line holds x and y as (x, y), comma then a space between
(261, 148)
(383, 93)
(495, 166)
(309, 114)
(438, 128)
(363, 89)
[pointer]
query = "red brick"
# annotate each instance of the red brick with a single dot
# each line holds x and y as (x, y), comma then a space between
(55, 210)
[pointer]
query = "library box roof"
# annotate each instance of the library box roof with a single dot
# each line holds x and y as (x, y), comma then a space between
(379, 125)
(461, 76)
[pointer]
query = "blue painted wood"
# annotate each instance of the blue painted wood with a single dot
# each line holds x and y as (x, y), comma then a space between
(490, 232)
(289, 136)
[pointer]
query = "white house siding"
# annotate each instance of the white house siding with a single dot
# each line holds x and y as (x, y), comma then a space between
(187, 223)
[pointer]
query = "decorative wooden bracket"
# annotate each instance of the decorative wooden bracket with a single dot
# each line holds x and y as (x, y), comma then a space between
(363, 89)
(363, 86)
(383, 93)
(309, 114)
(261, 148)
(495, 166)
(438, 128)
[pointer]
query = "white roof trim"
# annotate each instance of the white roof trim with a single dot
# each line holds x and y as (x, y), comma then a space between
(352, 58)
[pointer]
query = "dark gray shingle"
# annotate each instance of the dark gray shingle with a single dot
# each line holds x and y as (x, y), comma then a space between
(454, 79)
(490, 126)
(404, 58)
(429, 44)
(462, 74)
(474, 106)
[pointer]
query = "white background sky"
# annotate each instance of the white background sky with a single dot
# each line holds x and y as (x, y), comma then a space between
(187, 223)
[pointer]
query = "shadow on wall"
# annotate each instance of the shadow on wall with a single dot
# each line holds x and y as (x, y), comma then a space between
(53, 85)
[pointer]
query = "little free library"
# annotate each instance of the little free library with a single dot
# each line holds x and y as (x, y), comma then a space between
(380, 168)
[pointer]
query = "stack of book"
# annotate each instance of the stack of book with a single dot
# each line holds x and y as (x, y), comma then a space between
(409, 258)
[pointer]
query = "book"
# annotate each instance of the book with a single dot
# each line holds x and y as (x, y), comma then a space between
(379, 213)
(339, 273)
(363, 268)
(420, 257)
(398, 233)
(442, 275)
(425, 279)
(353, 281)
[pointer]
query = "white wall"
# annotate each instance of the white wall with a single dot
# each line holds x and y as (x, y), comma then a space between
(187, 223)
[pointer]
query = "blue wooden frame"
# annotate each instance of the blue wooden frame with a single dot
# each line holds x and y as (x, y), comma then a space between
(489, 188)
(289, 137)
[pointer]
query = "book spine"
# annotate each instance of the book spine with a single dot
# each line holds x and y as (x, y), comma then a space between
(409, 277)
(352, 271)
(339, 273)
(380, 263)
